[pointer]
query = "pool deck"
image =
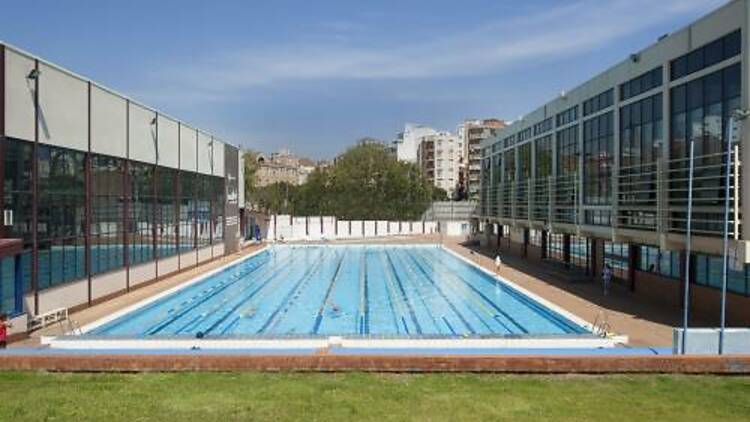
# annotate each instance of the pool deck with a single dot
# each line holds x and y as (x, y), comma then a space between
(645, 324)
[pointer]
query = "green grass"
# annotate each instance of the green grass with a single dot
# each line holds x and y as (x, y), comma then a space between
(357, 396)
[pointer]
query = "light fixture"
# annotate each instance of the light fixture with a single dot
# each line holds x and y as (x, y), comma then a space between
(34, 74)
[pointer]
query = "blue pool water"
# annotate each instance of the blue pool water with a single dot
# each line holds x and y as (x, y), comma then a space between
(358, 290)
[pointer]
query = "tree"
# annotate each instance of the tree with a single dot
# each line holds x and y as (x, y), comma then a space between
(439, 194)
(250, 170)
(365, 183)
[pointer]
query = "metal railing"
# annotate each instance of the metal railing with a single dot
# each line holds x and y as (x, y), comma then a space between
(709, 173)
(650, 196)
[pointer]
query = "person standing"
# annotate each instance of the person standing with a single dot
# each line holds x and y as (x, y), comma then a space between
(498, 263)
(4, 325)
(606, 278)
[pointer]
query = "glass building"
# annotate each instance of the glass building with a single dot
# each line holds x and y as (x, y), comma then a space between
(610, 158)
(100, 193)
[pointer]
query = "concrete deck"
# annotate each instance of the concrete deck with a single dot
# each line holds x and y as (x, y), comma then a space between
(645, 324)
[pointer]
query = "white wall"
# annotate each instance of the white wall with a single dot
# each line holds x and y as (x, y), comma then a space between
(19, 92)
(218, 156)
(108, 123)
(188, 139)
(168, 134)
(63, 109)
(142, 134)
(107, 284)
(204, 153)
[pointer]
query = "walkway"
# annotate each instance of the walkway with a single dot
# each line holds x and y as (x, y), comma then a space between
(645, 324)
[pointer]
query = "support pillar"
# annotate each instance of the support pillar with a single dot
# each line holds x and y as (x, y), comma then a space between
(633, 252)
(566, 250)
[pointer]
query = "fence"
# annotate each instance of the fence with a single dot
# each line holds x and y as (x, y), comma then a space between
(287, 227)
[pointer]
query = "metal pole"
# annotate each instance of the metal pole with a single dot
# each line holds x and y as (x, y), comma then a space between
(734, 119)
(725, 243)
(686, 299)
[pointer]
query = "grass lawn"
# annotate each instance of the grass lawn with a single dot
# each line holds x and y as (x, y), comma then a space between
(358, 396)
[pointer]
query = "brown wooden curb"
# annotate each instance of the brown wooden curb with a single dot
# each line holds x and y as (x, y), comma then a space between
(374, 363)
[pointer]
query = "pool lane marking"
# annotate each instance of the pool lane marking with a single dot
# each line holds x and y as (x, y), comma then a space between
(420, 292)
(364, 326)
(492, 303)
(273, 280)
(442, 294)
(236, 278)
(267, 278)
(496, 313)
(550, 315)
(455, 287)
(327, 296)
(154, 305)
(272, 320)
(458, 286)
(403, 293)
(155, 328)
(396, 306)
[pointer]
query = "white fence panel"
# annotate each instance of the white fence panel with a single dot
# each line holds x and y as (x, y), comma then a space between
(342, 228)
(329, 227)
(299, 228)
(314, 228)
(369, 228)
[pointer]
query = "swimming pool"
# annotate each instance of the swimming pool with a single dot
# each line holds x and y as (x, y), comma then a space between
(356, 291)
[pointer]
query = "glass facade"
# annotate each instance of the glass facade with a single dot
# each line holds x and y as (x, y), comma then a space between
(61, 228)
(616, 256)
(709, 273)
(597, 159)
(599, 102)
(187, 211)
(166, 212)
(135, 213)
(568, 116)
(641, 84)
(142, 216)
(543, 151)
(665, 263)
(107, 214)
(699, 113)
(722, 49)
(641, 136)
(544, 126)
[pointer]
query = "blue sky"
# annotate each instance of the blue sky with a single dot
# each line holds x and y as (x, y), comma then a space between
(315, 76)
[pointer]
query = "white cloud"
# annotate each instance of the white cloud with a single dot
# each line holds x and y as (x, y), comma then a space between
(571, 28)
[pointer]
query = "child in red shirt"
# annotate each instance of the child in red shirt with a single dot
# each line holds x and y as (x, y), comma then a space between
(4, 325)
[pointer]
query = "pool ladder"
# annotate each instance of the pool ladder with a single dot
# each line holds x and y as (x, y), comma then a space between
(70, 327)
(601, 325)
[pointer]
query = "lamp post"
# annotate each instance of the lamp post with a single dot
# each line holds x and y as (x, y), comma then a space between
(686, 298)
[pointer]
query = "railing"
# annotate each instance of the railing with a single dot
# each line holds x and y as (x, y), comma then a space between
(638, 197)
(649, 196)
(522, 200)
(709, 173)
(506, 200)
(540, 199)
(566, 199)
